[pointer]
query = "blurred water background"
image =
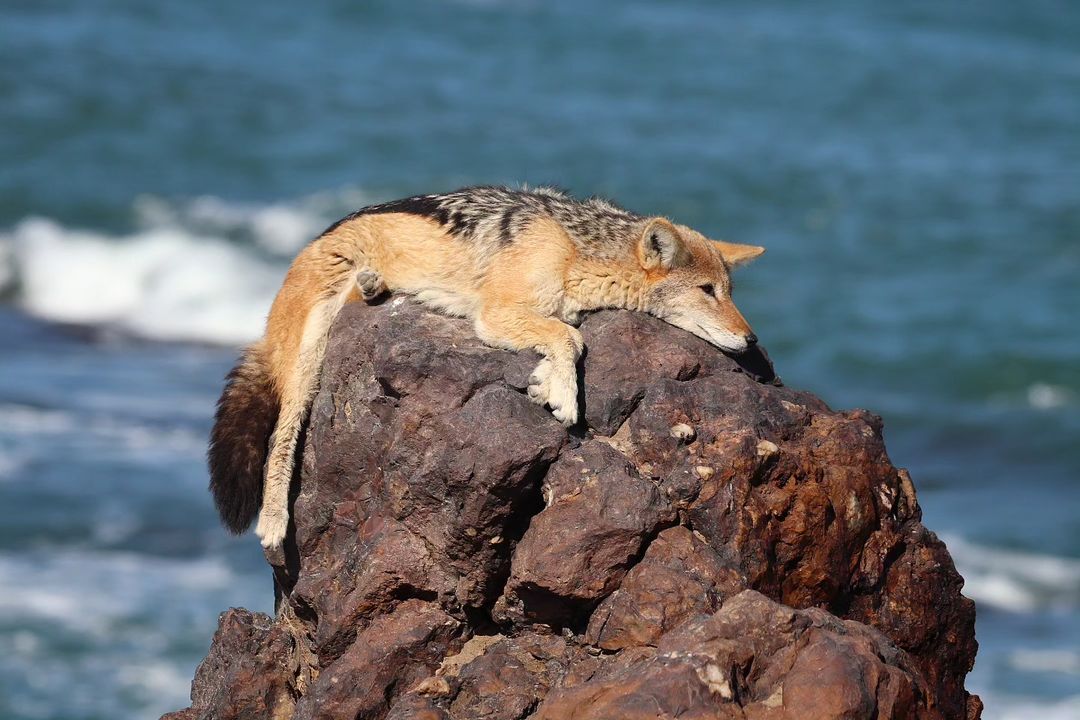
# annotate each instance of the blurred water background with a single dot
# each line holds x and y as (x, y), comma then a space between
(913, 169)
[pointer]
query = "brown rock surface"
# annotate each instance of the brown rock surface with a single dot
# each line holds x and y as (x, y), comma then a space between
(709, 546)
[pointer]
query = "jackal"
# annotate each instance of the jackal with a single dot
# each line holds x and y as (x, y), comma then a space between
(521, 264)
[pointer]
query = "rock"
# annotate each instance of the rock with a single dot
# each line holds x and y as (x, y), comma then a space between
(709, 544)
(754, 658)
(600, 513)
(397, 649)
(254, 669)
(680, 576)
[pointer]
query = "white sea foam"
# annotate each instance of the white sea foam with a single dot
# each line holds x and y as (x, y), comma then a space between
(108, 431)
(279, 228)
(89, 592)
(76, 621)
(1043, 396)
(1016, 581)
(27, 420)
(1046, 661)
(165, 403)
(7, 266)
(10, 464)
(152, 679)
(205, 270)
(1007, 707)
(161, 284)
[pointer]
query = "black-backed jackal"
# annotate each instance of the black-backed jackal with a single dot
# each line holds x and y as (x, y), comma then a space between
(521, 264)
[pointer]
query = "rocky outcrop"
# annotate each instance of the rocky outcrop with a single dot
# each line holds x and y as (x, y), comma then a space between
(712, 545)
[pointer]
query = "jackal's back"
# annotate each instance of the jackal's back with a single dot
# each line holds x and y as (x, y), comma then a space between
(492, 217)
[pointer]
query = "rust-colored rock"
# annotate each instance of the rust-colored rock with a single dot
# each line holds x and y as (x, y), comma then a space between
(253, 670)
(709, 546)
(680, 576)
(397, 649)
(599, 514)
(754, 658)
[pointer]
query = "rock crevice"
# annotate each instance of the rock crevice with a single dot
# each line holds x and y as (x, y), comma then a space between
(708, 545)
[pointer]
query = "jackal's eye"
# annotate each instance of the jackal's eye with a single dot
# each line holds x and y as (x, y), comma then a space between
(707, 288)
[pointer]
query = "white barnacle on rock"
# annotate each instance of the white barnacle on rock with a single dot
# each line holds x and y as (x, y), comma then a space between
(776, 699)
(683, 432)
(713, 678)
(886, 496)
(767, 449)
(853, 510)
(433, 686)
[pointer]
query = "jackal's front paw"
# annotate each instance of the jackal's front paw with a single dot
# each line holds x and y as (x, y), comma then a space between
(271, 528)
(540, 382)
(556, 388)
(370, 284)
(563, 398)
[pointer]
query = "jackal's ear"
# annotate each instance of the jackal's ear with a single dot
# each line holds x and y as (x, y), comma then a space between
(661, 245)
(735, 254)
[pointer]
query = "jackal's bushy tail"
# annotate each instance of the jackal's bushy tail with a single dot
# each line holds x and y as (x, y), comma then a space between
(246, 415)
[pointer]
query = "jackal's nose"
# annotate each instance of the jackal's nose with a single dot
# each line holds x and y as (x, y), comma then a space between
(751, 339)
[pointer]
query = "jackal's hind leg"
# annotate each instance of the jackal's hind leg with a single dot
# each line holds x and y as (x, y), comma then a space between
(369, 283)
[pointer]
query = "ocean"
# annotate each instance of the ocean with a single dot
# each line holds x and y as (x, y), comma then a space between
(913, 169)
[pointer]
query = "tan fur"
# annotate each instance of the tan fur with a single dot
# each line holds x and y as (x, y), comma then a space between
(522, 292)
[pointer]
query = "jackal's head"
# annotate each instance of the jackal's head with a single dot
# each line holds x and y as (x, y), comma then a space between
(688, 282)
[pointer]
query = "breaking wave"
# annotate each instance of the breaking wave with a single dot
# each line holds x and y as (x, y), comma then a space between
(205, 270)
(132, 437)
(1016, 581)
(93, 633)
(1006, 707)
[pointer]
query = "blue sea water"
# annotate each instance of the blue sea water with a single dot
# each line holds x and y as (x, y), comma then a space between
(913, 169)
